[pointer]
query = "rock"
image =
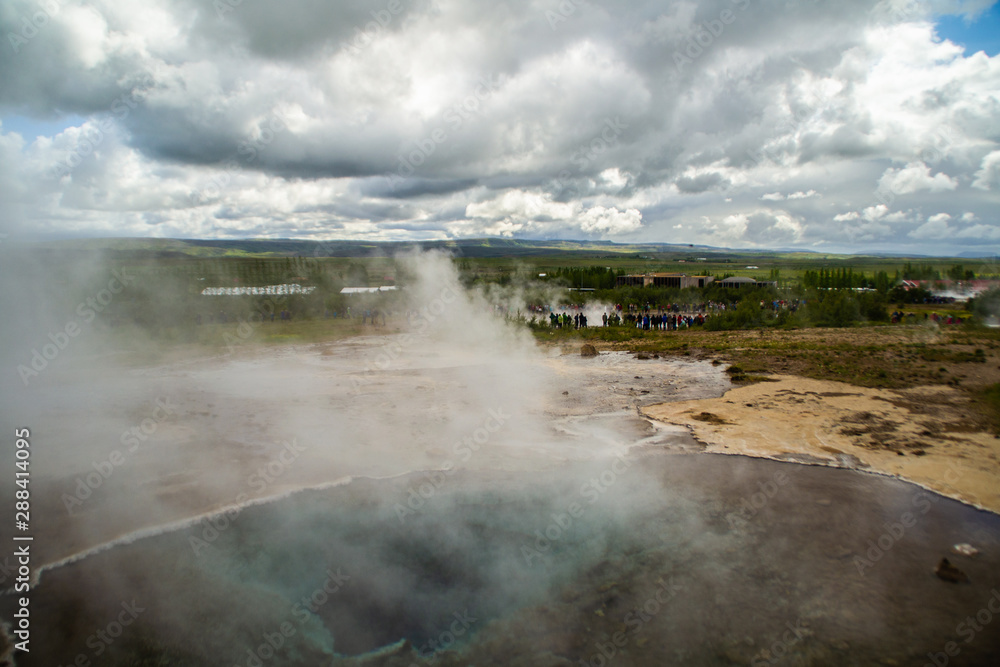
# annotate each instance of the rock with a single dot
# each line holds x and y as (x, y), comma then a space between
(949, 572)
(588, 350)
(965, 549)
(709, 418)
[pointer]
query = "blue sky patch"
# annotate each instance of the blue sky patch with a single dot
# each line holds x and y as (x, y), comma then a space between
(980, 34)
(32, 128)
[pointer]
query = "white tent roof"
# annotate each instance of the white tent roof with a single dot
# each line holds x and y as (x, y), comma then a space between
(367, 290)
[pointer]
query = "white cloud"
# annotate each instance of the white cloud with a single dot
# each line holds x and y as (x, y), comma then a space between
(520, 204)
(729, 230)
(936, 227)
(988, 232)
(915, 177)
(873, 213)
(803, 195)
(787, 224)
(610, 221)
(988, 176)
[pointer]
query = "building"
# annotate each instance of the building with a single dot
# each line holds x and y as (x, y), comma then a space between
(743, 281)
(663, 280)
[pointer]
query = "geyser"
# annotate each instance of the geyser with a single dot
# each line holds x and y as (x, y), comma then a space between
(448, 494)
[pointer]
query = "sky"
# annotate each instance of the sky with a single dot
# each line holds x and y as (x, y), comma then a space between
(825, 125)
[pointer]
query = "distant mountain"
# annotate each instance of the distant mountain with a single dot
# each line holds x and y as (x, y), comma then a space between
(139, 248)
(973, 254)
(484, 247)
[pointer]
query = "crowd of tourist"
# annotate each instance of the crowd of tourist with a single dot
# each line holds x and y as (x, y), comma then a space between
(899, 316)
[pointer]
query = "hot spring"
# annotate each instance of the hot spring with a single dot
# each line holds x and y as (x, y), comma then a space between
(456, 496)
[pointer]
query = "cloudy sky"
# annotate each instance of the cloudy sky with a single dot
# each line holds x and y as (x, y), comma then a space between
(821, 124)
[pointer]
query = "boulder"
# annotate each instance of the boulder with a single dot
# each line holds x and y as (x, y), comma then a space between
(949, 572)
(588, 350)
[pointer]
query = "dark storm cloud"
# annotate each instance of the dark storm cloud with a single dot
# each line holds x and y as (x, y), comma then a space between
(699, 183)
(406, 188)
(47, 71)
(298, 28)
(376, 110)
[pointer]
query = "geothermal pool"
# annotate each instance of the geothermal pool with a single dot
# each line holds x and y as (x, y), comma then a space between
(444, 499)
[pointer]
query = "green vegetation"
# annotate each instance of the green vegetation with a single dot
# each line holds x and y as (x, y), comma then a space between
(844, 277)
(827, 318)
(165, 297)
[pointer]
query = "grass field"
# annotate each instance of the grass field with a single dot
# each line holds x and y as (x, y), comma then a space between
(491, 259)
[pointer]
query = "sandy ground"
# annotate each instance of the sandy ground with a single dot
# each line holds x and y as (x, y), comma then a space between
(920, 435)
